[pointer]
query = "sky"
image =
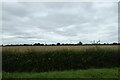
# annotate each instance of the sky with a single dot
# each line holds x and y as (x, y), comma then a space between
(64, 22)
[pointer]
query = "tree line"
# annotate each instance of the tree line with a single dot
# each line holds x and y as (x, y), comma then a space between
(62, 44)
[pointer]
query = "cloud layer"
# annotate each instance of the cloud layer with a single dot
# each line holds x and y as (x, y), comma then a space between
(65, 22)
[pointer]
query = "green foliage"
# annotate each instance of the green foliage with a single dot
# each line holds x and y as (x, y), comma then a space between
(64, 59)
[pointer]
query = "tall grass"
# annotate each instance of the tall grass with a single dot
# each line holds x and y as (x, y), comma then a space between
(41, 60)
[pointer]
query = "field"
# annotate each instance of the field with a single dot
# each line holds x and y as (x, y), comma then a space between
(60, 60)
(53, 48)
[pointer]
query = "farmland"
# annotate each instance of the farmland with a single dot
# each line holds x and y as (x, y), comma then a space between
(40, 59)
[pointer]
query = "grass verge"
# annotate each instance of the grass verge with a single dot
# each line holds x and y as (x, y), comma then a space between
(90, 73)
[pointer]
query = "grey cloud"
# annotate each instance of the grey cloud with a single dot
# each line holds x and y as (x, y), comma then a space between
(59, 22)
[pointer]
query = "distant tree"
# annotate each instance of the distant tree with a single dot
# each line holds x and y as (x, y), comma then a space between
(46, 45)
(52, 44)
(104, 43)
(58, 44)
(107, 43)
(37, 44)
(114, 43)
(42, 44)
(80, 43)
(62, 44)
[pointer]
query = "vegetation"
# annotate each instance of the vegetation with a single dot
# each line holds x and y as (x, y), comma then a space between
(64, 44)
(90, 73)
(44, 58)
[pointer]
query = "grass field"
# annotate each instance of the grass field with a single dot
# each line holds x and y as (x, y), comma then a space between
(90, 73)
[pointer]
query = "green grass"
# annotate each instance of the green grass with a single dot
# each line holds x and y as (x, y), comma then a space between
(0, 74)
(90, 73)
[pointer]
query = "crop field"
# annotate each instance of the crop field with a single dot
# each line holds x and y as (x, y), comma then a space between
(53, 48)
(39, 59)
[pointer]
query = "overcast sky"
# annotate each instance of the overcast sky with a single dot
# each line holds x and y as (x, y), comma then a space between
(62, 22)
